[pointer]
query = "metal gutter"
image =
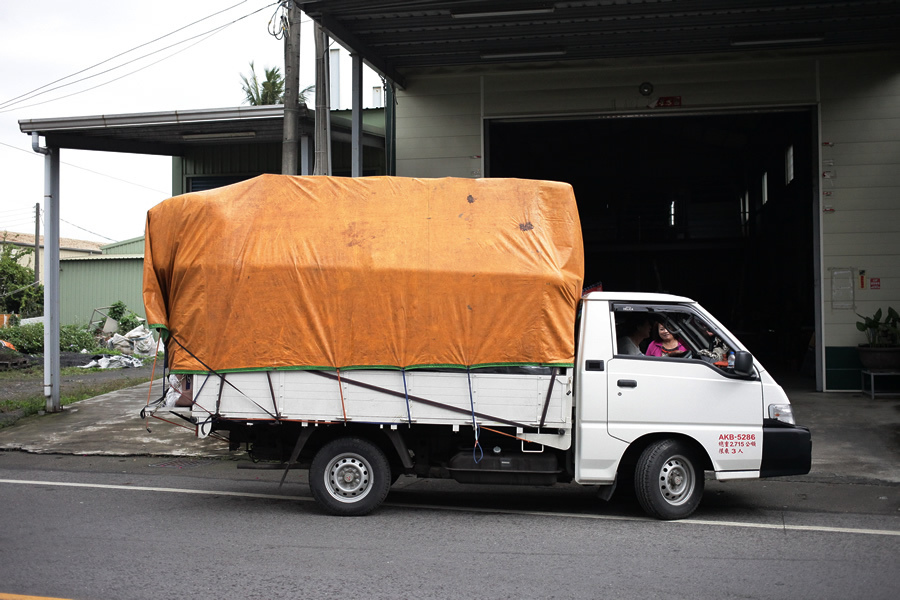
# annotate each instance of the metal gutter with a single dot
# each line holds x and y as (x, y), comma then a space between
(152, 118)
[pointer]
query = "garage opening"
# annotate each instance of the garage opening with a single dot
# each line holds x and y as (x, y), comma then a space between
(719, 208)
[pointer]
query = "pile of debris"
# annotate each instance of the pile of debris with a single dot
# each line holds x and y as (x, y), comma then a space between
(9, 358)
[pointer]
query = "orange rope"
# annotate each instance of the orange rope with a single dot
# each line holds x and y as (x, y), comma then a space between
(508, 435)
(341, 389)
(153, 372)
(150, 390)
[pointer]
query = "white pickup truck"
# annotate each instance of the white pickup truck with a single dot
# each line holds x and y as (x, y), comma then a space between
(369, 328)
(657, 423)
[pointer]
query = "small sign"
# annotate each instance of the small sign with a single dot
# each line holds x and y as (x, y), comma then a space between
(668, 101)
(874, 283)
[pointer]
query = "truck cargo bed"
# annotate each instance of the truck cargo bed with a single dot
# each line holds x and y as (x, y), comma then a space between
(387, 397)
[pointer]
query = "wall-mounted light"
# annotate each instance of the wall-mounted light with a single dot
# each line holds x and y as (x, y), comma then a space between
(769, 42)
(225, 135)
(523, 54)
(502, 13)
(645, 88)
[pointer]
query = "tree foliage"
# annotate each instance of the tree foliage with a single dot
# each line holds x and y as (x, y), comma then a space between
(19, 294)
(270, 91)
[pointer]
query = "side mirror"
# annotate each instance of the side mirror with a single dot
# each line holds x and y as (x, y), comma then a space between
(743, 363)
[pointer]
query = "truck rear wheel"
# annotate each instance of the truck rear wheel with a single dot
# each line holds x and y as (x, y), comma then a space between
(667, 481)
(350, 477)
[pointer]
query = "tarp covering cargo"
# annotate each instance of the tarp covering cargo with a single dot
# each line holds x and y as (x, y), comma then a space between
(329, 272)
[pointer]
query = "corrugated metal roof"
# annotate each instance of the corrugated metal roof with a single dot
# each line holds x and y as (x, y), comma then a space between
(395, 37)
(172, 133)
(104, 257)
(27, 239)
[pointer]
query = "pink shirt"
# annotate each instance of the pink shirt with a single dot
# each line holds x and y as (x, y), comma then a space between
(656, 349)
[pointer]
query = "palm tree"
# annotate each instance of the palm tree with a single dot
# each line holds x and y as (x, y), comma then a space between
(270, 91)
(310, 89)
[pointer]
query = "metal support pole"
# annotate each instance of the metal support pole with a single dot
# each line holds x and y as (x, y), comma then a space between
(51, 279)
(306, 155)
(356, 162)
(390, 128)
(37, 243)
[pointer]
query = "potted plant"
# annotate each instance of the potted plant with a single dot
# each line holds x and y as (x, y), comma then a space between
(883, 334)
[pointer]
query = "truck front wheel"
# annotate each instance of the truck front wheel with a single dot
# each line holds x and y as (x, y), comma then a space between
(350, 477)
(667, 481)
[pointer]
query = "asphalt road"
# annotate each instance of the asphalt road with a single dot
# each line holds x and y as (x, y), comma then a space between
(100, 527)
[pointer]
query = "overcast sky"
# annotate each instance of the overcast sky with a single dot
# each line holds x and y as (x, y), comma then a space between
(105, 196)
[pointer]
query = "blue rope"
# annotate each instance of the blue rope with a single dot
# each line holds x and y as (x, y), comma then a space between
(474, 422)
(406, 393)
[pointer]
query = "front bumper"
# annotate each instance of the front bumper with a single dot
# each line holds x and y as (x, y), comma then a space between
(787, 449)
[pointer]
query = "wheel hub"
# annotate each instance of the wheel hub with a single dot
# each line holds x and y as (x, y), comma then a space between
(676, 480)
(348, 478)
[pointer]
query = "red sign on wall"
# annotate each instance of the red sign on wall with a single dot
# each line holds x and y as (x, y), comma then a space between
(667, 101)
(874, 283)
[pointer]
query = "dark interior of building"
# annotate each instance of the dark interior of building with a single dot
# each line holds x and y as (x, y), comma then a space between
(719, 208)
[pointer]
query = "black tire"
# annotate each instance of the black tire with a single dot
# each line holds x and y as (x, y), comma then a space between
(350, 477)
(396, 472)
(668, 480)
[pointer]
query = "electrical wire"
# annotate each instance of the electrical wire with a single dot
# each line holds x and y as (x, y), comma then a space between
(284, 23)
(34, 154)
(4, 103)
(11, 225)
(87, 230)
(17, 211)
(15, 105)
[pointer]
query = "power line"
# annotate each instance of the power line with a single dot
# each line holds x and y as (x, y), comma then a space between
(11, 100)
(30, 153)
(10, 225)
(15, 104)
(8, 214)
(87, 230)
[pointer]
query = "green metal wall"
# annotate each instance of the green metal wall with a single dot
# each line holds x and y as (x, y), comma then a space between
(132, 246)
(86, 284)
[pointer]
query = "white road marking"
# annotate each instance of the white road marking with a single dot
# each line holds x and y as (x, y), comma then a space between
(533, 513)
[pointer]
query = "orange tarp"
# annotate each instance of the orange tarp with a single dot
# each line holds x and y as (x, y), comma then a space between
(330, 272)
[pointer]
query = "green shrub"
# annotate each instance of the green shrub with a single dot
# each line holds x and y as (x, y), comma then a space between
(126, 318)
(29, 339)
(74, 338)
(117, 310)
(128, 322)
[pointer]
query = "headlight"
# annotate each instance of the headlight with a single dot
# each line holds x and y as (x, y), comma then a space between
(782, 412)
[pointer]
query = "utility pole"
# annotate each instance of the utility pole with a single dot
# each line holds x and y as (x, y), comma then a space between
(323, 125)
(37, 242)
(291, 138)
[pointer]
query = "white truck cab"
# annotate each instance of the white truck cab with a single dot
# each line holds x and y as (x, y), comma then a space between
(672, 417)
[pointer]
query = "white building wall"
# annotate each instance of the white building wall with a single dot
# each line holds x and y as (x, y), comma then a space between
(440, 118)
(860, 122)
(439, 127)
(440, 114)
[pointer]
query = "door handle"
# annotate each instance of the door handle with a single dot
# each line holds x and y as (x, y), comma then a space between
(630, 383)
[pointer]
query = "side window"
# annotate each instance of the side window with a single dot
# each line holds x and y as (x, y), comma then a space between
(664, 331)
(633, 324)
